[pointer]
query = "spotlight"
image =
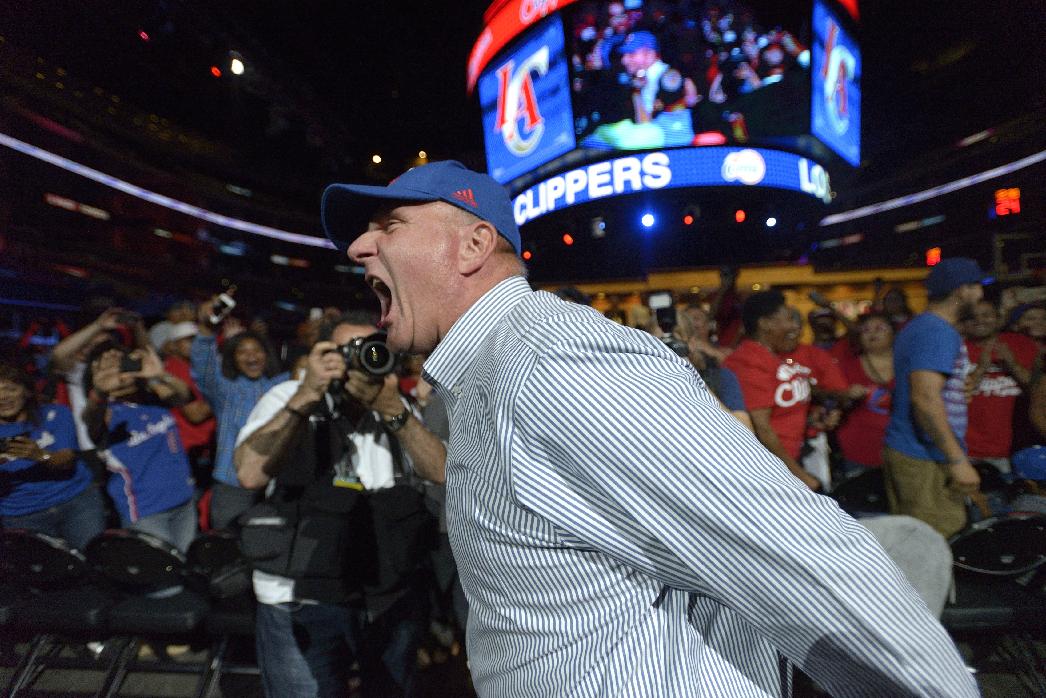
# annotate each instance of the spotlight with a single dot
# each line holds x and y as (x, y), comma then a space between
(216, 71)
(527, 255)
(236, 66)
(771, 222)
(739, 215)
(423, 155)
(648, 220)
(376, 159)
(688, 219)
(598, 227)
(568, 239)
(143, 35)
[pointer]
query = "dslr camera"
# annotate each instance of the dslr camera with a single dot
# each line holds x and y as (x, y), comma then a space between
(369, 354)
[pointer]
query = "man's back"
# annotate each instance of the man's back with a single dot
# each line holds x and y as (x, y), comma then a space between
(927, 343)
(605, 544)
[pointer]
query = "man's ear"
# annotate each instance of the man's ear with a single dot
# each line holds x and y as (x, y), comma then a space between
(475, 246)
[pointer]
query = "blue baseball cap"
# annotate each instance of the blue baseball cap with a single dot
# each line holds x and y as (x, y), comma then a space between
(347, 208)
(949, 274)
(638, 40)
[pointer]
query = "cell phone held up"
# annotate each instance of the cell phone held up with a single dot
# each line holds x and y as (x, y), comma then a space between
(222, 306)
(129, 364)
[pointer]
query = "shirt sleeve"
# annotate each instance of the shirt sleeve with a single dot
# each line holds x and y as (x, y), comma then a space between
(207, 369)
(757, 386)
(270, 403)
(827, 371)
(665, 482)
(932, 350)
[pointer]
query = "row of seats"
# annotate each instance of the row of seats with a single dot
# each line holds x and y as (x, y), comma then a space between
(126, 589)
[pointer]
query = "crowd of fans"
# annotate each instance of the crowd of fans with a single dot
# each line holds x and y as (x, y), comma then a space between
(143, 427)
(824, 408)
(688, 63)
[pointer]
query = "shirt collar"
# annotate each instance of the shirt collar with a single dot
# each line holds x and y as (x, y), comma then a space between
(460, 346)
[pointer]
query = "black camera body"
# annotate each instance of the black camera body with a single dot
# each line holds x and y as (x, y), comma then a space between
(676, 345)
(370, 354)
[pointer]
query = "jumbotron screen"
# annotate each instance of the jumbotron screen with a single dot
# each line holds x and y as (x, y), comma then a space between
(633, 75)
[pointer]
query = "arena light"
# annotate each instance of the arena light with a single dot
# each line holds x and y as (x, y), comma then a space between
(933, 256)
(688, 219)
(216, 71)
(376, 159)
(739, 215)
(771, 222)
(236, 66)
(933, 192)
(648, 220)
(159, 199)
(423, 155)
(143, 35)
(527, 254)
(568, 239)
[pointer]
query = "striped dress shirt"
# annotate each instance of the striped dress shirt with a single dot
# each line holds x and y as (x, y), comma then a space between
(618, 534)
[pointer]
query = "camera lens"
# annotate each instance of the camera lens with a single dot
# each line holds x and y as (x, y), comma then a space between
(375, 356)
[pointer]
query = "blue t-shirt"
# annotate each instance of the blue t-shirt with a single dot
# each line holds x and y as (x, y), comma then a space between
(927, 343)
(729, 390)
(26, 487)
(150, 471)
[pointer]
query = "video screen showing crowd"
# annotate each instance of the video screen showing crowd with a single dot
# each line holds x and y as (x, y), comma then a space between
(651, 75)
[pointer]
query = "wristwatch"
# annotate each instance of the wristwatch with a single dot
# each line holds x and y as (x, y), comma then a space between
(397, 422)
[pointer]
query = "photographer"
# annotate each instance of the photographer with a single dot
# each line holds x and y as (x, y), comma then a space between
(44, 484)
(128, 415)
(335, 450)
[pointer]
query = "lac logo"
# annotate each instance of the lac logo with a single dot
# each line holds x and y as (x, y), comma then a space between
(746, 166)
(840, 66)
(517, 102)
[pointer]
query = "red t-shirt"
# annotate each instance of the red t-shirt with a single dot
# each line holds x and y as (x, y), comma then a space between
(781, 383)
(863, 429)
(990, 412)
(192, 435)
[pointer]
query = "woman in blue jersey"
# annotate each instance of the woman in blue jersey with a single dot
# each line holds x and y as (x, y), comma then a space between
(232, 382)
(44, 485)
(128, 415)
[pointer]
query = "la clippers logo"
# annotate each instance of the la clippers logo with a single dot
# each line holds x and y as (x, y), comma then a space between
(839, 67)
(518, 102)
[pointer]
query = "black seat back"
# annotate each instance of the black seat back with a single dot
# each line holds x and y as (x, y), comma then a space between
(1002, 546)
(137, 561)
(37, 561)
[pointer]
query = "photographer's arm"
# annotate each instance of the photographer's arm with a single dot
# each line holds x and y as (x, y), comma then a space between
(426, 450)
(259, 457)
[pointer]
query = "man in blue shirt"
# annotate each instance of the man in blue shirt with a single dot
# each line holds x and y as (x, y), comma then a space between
(924, 459)
(617, 532)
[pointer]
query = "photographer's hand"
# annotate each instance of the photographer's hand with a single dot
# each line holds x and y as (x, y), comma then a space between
(323, 365)
(380, 395)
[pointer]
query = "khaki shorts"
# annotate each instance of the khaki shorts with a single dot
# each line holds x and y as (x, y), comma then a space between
(919, 488)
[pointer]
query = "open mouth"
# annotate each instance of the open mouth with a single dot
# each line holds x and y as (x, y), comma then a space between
(384, 294)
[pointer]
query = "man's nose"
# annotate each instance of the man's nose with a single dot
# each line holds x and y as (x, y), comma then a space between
(361, 248)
